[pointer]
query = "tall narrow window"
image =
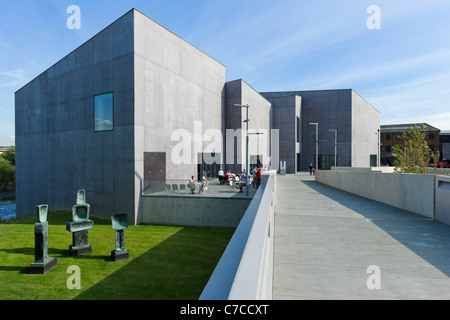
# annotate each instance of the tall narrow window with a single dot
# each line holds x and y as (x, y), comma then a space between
(103, 113)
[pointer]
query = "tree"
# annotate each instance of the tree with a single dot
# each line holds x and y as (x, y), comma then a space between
(10, 155)
(415, 155)
(7, 168)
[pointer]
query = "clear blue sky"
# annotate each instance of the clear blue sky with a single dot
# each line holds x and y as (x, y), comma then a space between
(402, 69)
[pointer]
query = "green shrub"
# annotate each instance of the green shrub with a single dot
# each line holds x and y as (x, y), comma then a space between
(7, 173)
(10, 155)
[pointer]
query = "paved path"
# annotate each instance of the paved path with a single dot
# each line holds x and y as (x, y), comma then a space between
(325, 239)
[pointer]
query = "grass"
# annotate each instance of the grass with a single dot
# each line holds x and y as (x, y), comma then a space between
(167, 262)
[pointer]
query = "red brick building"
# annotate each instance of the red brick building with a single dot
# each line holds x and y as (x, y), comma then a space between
(390, 136)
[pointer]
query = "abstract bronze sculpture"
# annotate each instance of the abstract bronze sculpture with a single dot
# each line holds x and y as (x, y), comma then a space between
(42, 263)
(120, 223)
(80, 225)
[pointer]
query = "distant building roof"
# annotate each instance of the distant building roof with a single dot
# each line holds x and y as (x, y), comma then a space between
(405, 127)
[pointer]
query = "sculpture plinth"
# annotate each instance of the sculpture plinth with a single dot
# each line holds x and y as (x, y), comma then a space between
(42, 263)
(119, 224)
(80, 226)
(80, 237)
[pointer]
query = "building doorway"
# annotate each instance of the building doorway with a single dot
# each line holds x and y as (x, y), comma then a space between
(154, 172)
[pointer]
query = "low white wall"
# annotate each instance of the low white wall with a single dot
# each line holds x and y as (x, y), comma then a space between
(245, 270)
(445, 171)
(412, 192)
(443, 199)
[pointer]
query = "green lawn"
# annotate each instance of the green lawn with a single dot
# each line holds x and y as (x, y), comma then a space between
(166, 262)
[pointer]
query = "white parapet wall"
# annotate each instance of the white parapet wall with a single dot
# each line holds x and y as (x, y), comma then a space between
(245, 270)
(443, 199)
(411, 192)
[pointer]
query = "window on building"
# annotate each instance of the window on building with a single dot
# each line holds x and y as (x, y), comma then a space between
(431, 136)
(388, 137)
(325, 161)
(388, 148)
(103, 112)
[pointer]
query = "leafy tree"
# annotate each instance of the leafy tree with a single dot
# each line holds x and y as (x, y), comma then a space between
(7, 173)
(10, 155)
(7, 167)
(415, 155)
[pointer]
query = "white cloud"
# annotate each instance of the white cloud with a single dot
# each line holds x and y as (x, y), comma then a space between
(13, 78)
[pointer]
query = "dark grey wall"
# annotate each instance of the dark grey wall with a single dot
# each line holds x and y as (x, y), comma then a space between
(57, 150)
(286, 111)
(259, 113)
(332, 109)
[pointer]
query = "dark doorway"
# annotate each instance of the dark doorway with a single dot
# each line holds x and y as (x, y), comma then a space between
(154, 171)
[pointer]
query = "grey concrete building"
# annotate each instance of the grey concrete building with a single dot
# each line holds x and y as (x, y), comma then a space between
(286, 111)
(136, 107)
(259, 114)
(356, 122)
(102, 118)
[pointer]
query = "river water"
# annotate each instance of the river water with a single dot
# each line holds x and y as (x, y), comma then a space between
(7, 205)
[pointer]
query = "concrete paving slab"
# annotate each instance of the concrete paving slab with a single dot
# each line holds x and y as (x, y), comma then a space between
(325, 240)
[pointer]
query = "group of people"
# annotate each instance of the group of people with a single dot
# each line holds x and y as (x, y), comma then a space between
(241, 177)
(312, 170)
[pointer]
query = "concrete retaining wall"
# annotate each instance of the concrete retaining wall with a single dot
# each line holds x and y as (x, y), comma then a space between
(412, 192)
(189, 211)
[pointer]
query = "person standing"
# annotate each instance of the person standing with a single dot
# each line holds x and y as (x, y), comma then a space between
(254, 176)
(258, 178)
(220, 174)
(310, 169)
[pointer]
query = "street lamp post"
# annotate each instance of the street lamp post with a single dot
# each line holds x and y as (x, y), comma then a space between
(317, 143)
(335, 146)
(378, 151)
(246, 144)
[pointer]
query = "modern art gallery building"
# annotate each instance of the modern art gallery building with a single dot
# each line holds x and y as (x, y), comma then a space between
(136, 103)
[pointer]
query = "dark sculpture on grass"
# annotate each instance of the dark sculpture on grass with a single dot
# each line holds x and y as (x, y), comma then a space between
(42, 263)
(120, 223)
(80, 225)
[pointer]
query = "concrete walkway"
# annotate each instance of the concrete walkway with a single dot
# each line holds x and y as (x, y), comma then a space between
(325, 240)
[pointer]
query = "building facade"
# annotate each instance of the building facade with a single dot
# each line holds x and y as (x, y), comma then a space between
(136, 106)
(444, 145)
(347, 128)
(391, 136)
